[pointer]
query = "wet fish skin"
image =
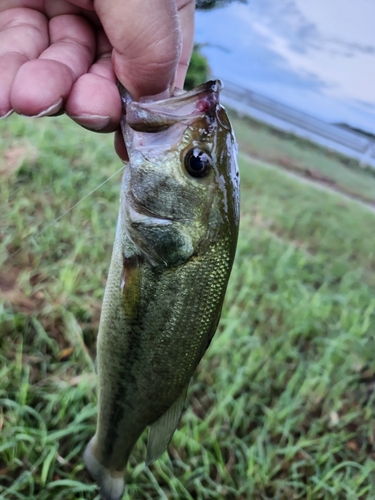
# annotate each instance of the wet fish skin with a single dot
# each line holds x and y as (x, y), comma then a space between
(173, 252)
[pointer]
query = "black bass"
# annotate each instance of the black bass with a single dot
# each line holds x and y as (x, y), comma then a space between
(173, 253)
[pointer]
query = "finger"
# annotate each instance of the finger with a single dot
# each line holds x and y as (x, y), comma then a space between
(23, 36)
(9, 66)
(146, 43)
(186, 9)
(120, 146)
(41, 86)
(83, 4)
(103, 65)
(94, 101)
(73, 43)
(54, 8)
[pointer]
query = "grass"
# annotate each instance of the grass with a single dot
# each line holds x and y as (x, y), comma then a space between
(281, 406)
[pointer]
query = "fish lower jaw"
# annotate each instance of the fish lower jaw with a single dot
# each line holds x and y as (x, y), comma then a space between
(112, 485)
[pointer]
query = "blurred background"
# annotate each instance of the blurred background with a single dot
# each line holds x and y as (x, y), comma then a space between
(282, 405)
(312, 56)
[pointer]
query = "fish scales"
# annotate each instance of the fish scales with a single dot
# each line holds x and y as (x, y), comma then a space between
(173, 252)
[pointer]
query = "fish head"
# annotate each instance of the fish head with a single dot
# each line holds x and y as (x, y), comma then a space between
(180, 189)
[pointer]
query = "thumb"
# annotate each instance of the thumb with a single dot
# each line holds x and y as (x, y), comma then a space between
(146, 40)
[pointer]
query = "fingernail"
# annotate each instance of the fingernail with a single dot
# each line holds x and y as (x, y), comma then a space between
(51, 110)
(48, 111)
(6, 114)
(93, 122)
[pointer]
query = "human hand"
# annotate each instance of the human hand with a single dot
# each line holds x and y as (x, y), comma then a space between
(65, 55)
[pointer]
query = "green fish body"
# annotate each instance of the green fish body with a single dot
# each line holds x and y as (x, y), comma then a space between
(173, 252)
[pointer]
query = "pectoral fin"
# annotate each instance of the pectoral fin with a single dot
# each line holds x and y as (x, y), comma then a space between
(161, 432)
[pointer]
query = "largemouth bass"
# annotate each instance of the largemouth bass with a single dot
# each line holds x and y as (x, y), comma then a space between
(173, 253)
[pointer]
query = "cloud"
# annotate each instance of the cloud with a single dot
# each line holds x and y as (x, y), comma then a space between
(312, 53)
(287, 20)
(301, 52)
(250, 50)
(348, 49)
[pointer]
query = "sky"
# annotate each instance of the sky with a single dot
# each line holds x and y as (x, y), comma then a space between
(317, 56)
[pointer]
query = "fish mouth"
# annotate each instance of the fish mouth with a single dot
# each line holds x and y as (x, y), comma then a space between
(150, 115)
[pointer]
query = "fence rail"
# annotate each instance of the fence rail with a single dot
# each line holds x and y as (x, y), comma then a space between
(351, 144)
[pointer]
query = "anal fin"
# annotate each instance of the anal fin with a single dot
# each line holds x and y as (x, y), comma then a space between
(161, 432)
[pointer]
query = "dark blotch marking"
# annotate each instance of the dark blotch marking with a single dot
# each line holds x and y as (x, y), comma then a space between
(131, 286)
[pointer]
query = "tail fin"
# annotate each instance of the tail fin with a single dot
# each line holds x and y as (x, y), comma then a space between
(111, 488)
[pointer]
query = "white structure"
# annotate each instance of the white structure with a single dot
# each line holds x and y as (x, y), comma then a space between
(346, 142)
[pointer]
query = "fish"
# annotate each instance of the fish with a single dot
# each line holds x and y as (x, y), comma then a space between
(174, 248)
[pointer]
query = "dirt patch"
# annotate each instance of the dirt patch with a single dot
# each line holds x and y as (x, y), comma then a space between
(318, 177)
(12, 293)
(13, 157)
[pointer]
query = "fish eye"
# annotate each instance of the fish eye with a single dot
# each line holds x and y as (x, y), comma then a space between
(197, 163)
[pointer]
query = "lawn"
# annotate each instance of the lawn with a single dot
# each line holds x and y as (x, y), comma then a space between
(281, 407)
